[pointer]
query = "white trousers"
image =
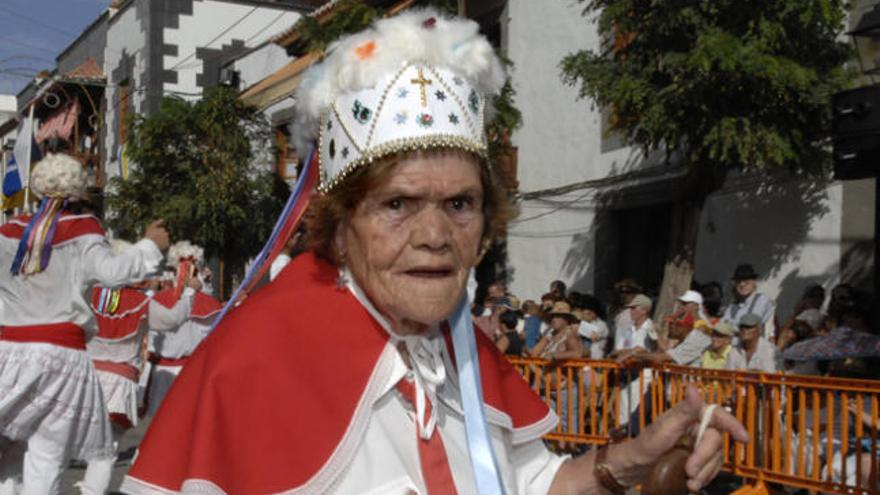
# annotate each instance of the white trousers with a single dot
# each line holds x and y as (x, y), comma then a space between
(34, 469)
(99, 471)
(161, 380)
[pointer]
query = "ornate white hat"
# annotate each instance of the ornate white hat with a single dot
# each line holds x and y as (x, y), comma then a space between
(415, 81)
(58, 175)
(182, 250)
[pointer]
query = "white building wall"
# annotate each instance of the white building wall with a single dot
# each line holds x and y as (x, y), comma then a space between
(559, 143)
(261, 63)
(212, 25)
(790, 231)
(126, 36)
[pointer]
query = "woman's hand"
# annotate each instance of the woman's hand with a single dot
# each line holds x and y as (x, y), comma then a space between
(631, 462)
(705, 461)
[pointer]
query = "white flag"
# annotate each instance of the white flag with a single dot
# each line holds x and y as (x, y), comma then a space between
(24, 146)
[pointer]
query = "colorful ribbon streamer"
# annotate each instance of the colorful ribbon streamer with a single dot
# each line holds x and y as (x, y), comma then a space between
(486, 474)
(35, 247)
(288, 222)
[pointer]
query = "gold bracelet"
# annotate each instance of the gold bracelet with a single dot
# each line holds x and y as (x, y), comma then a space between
(602, 472)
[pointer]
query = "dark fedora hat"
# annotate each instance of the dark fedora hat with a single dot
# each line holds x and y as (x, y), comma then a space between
(744, 271)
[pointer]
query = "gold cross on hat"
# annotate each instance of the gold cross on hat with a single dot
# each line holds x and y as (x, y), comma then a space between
(422, 82)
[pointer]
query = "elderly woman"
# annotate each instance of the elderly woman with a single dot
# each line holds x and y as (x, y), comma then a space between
(339, 377)
(51, 407)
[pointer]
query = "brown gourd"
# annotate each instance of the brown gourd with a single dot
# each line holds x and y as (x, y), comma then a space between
(668, 477)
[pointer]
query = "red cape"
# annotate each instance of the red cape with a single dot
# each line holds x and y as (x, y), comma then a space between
(69, 227)
(133, 305)
(265, 402)
(203, 306)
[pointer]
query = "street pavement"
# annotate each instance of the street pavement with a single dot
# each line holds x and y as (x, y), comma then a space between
(129, 443)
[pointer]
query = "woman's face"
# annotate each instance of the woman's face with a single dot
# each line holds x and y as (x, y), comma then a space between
(412, 240)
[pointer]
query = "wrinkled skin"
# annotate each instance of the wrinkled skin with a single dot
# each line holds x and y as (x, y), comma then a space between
(412, 240)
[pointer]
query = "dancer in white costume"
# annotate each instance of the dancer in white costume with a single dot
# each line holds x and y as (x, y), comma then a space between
(125, 316)
(173, 347)
(51, 407)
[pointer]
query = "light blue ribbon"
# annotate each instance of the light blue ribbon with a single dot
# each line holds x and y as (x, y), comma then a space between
(485, 466)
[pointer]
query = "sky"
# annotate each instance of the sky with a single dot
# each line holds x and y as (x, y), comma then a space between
(34, 32)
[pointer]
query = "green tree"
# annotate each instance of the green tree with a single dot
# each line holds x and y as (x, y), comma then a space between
(196, 164)
(716, 85)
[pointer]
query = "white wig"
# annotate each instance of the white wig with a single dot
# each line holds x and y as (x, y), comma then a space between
(58, 175)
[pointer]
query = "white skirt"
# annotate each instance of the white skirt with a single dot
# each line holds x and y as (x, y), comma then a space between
(120, 395)
(53, 392)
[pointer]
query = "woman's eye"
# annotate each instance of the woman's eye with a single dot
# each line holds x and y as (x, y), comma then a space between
(461, 204)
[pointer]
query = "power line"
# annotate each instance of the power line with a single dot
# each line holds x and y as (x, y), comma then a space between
(218, 55)
(36, 22)
(27, 45)
(208, 44)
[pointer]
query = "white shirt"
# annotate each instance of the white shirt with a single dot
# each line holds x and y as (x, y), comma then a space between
(631, 337)
(597, 345)
(386, 461)
(61, 292)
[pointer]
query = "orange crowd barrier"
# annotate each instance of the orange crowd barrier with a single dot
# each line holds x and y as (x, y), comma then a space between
(815, 433)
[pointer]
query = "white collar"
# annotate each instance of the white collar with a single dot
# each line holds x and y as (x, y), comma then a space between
(425, 351)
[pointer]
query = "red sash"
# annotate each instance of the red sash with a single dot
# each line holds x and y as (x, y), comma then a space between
(163, 361)
(61, 334)
(124, 370)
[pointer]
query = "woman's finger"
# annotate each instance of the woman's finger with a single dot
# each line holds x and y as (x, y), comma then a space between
(709, 447)
(724, 421)
(707, 473)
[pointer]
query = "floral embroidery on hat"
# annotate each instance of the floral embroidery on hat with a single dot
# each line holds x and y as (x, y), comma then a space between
(365, 50)
(425, 120)
(429, 23)
(474, 101)
(361, 113)
(400, 117)
(402, 92)
(440, 95)
(458, 81)
(453, 118)
(329, 124)
(345, 152)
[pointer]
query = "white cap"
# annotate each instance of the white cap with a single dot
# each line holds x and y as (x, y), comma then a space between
(691, 296)
(419, 80)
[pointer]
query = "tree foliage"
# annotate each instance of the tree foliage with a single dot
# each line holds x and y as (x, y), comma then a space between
(721, 84)
(196, 166)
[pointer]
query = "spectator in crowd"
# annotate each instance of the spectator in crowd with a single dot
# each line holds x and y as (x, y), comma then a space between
(713, 295)
(747, 300)
(494, 293)
(491, 324)
(718, 353)
(562, 342)
(755, 352)
(548, 300)
(508, 340)
(558, 289)
(533, 323)
(622, 294)
(640, 334)
(849, 307)
(809, 323)
(592, 329)
(688, 312)
(691, 343)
